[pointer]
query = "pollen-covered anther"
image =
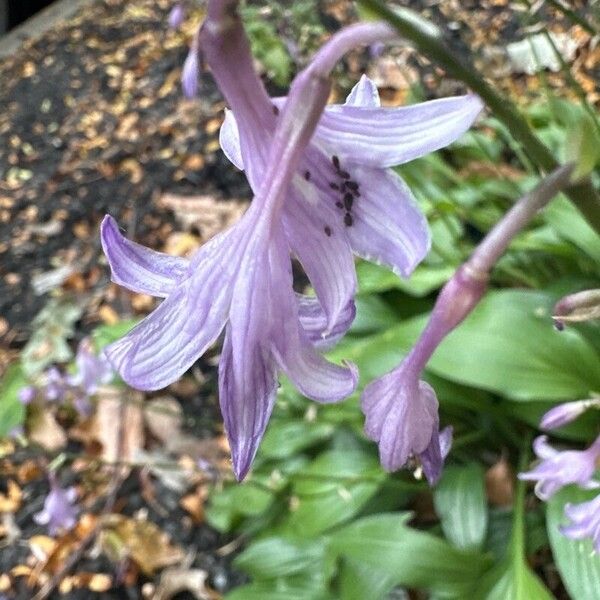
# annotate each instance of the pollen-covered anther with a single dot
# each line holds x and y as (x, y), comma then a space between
(348, 220)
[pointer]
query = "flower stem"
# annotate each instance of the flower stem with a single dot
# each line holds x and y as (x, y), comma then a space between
(581, 194)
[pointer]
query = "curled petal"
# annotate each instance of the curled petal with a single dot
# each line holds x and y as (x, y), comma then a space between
(364, 94)
(167, 342)
(384, 137)
(388, 226)
(314, 322)
(229, 138)
(326, 259)
(246, 396)
(138, 268)
(190, 74)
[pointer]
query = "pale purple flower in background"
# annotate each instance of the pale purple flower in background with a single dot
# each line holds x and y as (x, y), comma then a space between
(584, 521)
(55, 385)
(92, 370)
(190, 73)
(59, 512)
(577, 308)
(567, 412)
(176, 16)
(560, 468)
(27, 394)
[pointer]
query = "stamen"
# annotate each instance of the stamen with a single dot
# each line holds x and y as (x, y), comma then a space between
(275, 110)
(344, 174)
(348, 200)
(351, 185)
(348, 220)
(339, 204)
(327, 230)
(307, 175)
(336, 161)
(334, 186)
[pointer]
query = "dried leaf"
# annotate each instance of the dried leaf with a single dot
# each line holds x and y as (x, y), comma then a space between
(45, 431)
(11, 501)
(175, 581)
(142, 541)
(164, 418)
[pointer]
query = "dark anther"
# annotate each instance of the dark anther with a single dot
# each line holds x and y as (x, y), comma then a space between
(339, 204)
(344, 174)
(348, 220)
(334, 186)
(307, 175)
(275, 110)
(348, 200)
(327, 230)
(351, 185)
(336, 161)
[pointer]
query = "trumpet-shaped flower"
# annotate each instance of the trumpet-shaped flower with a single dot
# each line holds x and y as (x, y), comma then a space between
(59, 513)
(560, 468)
(318, 197)
(584, 521)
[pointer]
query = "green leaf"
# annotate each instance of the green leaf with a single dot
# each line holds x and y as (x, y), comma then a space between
(373, 278)
(583, 146)
(229, 506)
(514, 580)
(285, 438)
(278, 590)
(460, 502)
(373, 313)
(107, 334)
(278, 557)
(359, 581)
(508, 345)
(408, 557)
(567, 221)
(332, 489)
(578, 564)
(12, 411)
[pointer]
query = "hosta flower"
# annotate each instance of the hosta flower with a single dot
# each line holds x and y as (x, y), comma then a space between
(560, 468)
(567, 412)
(92, 370)
(584, 521)
(176, 16)
(59, 513)
(318, 201)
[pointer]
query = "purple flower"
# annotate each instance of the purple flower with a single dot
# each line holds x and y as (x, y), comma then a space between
(401, 410)
(55, 385)
(558, 469)
(190, 73)
(585, 521)
(92, 370)
(58, 512)
(318, 200)
(27, 394)
(567, 412)
(176, 16)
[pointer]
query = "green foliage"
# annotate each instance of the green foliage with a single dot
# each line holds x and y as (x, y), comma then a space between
(461, 505)
(12, 411)
(106, 334)
(577, 562)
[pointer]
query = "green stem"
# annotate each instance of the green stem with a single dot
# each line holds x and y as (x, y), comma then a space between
(518, 531)
(582, 195)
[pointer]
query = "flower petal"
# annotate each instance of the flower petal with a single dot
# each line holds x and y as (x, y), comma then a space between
(167, 342)
(326, 259)
(246, 396)
(314, 322)
(364, 93)
(138, 268)
(388, 227)
(229, 138)
(384, 137)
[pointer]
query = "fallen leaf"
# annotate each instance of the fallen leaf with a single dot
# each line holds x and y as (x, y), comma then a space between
(164, 418)
(175, 581)
(45, 431)
(141, 541)
(500, 483)
(11, 501)
(106, 423)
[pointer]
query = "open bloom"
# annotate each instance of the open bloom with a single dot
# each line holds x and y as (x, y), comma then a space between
(58, 512)
(560, 468)
(584, 521)
(316, 197)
